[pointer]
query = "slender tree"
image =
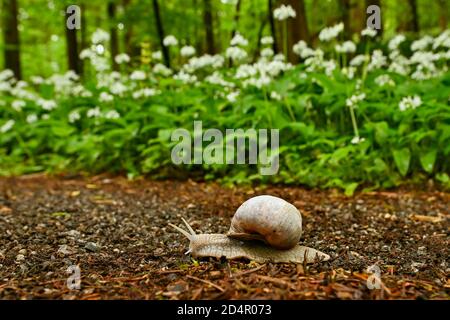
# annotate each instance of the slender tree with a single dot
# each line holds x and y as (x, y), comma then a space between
(259, 37)
(11, 36)
(443, 14)
(160, 30)
(71, 46)
(209, 28)
(272, 25)
(83, 36)
(413, 24)
(344, 8)
(114, 43)
(237, 15)
(297, 27)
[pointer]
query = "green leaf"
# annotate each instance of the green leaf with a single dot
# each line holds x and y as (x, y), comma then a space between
(62, 131)
(428, 159)
(442, 177)
(350, 188)
(402, 157)
(381, 132)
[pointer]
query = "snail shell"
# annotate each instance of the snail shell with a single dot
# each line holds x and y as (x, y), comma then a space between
(269, 219)
(276, 224)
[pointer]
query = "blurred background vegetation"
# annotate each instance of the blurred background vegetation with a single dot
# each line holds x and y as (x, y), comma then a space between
(41, 40)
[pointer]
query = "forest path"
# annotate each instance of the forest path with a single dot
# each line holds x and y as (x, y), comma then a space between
(116, 232)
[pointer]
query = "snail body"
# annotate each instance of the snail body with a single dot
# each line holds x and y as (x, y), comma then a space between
(263, 229)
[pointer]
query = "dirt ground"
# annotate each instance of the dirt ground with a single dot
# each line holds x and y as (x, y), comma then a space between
(116, 232)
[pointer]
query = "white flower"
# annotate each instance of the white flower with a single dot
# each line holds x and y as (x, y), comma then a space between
(258, 82)
(7, 126)
(118, 88)
(299, 47)
(245, 71)
(216, 78)
(443, 40)
(18, 105)
(94, 113)
(357, 140)
(232, 96)
(329, 66)
(157, 55)
(358, 60)
(74, 116)
(145, 92)
(279, 57)
(161, 69)
(187, 51)
(31, 118)
(236, 53)
(238, 40)
(330, 33)
(137, 75)
(422, 43)
(47, 104)
(106, 97)
(378, 60)
(395, 42)
(112, 114)
(384, 80)
(37, 80)
(87, 54)
(204, 61)
(410, 102)
(346, 47)
(275, 95)
(267, 52)
(170, 40)
(355, 99)
(100, 36)
(185, 77)
(122, 58)
(369, 32)
(266, 40)
(349, 72)
(6, 74)
(284, 12)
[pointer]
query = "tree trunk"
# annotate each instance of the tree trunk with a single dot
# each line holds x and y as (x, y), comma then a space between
(127, 40)
(160, 30)
(413, 24)
(297, 27)
(113, 34)
(344, 7)
(443, 16)
(209, 29)
(272, 25)
(11, 36)
(237, 15)
(258, 41)
(83, 36)
(72, 47)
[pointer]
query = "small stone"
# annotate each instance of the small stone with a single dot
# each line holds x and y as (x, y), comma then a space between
(92, 246)
(421, 250)
(23, 251)
(73, 233)
(20, 257)
(64, 249)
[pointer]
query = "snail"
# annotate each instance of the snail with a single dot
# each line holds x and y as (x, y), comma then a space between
(263, 229)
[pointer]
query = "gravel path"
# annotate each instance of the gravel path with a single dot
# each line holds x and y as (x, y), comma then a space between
(114, 232)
